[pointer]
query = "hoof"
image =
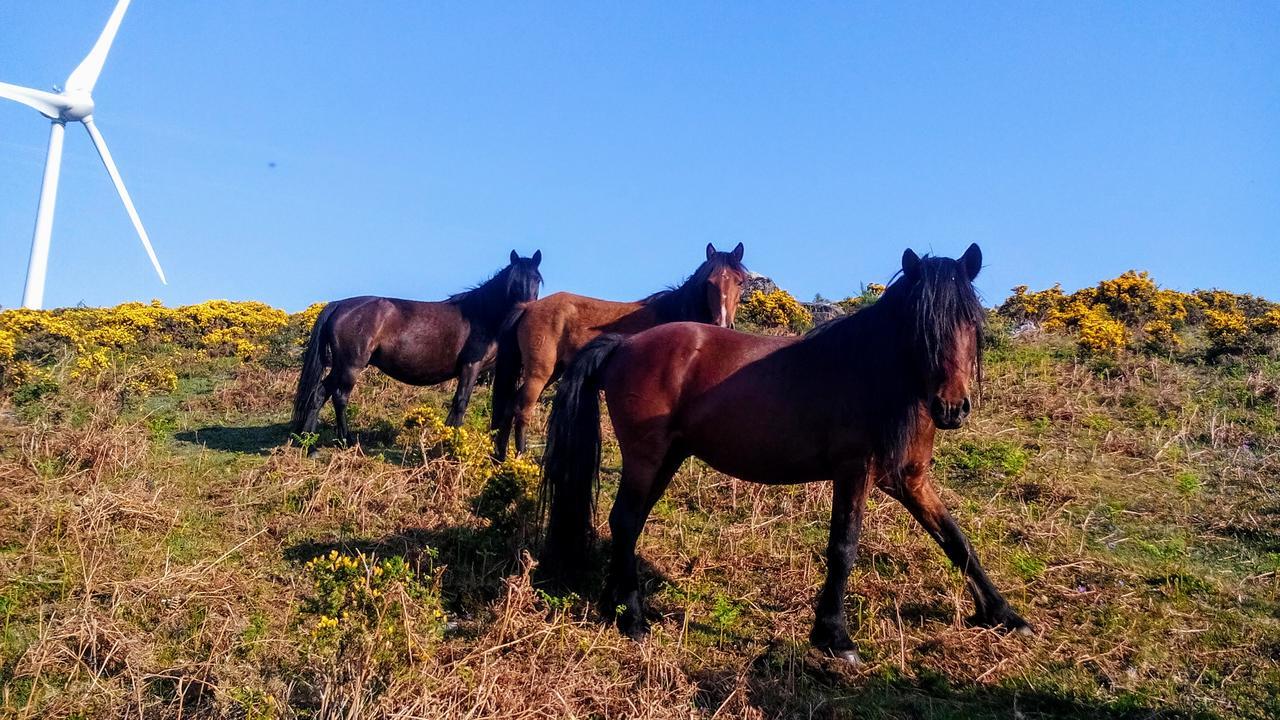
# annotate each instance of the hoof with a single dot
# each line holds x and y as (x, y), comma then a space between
(1023, 629)
(1006, 620)
(848, 657)
(637, 630)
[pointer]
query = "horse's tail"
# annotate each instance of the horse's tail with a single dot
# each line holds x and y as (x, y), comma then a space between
(571, 462)
(314, 361)
(506, 376)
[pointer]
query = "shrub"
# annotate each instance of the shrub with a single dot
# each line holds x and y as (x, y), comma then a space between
(871, 292)
(381, 608)
(1024, 306)
(301, 323)
(1227, 329)
(775, 310)
(1105, 318)
(1129, 297)
(1266, 324)
(1160, 336)
(1101, 334)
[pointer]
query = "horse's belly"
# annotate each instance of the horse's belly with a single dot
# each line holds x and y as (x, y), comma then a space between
(417, 368)
(415, 375)
(761, 457)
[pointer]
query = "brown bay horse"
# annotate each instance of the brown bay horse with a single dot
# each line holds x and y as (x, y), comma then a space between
(856, 401)
(552, 330)
(419, 343)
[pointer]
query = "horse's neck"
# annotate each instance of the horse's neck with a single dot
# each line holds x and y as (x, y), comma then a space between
(484, 308)
(861, 356)
(627, 318)
(674, 306)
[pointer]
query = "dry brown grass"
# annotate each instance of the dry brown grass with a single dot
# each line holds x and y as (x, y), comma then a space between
(153, 554)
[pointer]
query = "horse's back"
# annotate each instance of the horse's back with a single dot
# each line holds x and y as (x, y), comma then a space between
(413, 341)
(732, 399)
(562, 323)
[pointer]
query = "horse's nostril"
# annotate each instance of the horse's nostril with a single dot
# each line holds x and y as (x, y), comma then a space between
(965, 407)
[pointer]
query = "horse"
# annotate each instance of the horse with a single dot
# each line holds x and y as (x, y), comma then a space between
(419, 343)
(549, 332)
(856, 401)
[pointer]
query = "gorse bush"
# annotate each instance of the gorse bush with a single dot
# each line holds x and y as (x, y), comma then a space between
(86, 343)
(216, 326)
(1131, 312)
(364, 618)
(775, 310)
(871, 292)
(471, 449)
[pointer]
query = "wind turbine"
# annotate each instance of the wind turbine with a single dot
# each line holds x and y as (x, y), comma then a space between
(72, 103)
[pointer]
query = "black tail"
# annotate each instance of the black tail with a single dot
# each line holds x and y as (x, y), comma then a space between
(314, 361)
(571, 461)
(506, 376)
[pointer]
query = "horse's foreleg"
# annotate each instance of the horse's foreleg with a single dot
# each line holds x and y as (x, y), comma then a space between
(918, 494)
(830, 633)
(462, 396)
(640, 489)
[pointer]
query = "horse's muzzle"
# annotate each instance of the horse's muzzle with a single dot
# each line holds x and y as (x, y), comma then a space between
(949, 416)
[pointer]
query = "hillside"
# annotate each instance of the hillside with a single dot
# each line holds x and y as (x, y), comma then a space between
(164, 553)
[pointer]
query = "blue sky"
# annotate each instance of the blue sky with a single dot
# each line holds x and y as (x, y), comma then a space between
(416, 143)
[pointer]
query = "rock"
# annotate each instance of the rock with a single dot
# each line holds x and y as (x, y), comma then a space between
(823, 311)
(757, 282)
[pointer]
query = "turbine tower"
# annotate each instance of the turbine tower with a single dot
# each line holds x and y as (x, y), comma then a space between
(73, 103)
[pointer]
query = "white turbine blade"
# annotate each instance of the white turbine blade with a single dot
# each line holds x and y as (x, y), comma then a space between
(48, 104)
(101, 144)
(85, 76)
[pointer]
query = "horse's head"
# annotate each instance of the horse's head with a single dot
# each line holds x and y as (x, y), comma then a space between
(523, 278)
(945, 316)
(722, 277)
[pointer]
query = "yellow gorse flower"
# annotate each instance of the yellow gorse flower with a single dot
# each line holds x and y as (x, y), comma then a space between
(777, 309)
(1105, 317)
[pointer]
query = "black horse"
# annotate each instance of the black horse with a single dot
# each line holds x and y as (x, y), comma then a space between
(420, 343)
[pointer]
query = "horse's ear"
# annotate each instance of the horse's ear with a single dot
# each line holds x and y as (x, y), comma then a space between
(537, 258)
(514, 256)
(972, 261)
(909, 261)
(737, 253)
(711, 250)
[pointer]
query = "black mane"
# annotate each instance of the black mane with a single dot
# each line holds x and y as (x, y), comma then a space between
(902, 340)
(490, 302)
(687, 301)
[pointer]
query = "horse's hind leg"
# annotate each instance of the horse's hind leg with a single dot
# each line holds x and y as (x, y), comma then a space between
(918, 494)
(642, 485)
(536, 377)
(318, 398)
(848, 505)
(339, 384)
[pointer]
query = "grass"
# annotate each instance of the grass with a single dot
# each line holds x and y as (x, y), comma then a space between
(154, 562)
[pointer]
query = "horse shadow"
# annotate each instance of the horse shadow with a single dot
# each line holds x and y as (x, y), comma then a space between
(791, 680)
(266, 439)
(249, 440)
(480, 557)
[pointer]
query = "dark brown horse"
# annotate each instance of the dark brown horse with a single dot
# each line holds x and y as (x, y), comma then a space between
(420, 343)
(552, 330)
(856, 401)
